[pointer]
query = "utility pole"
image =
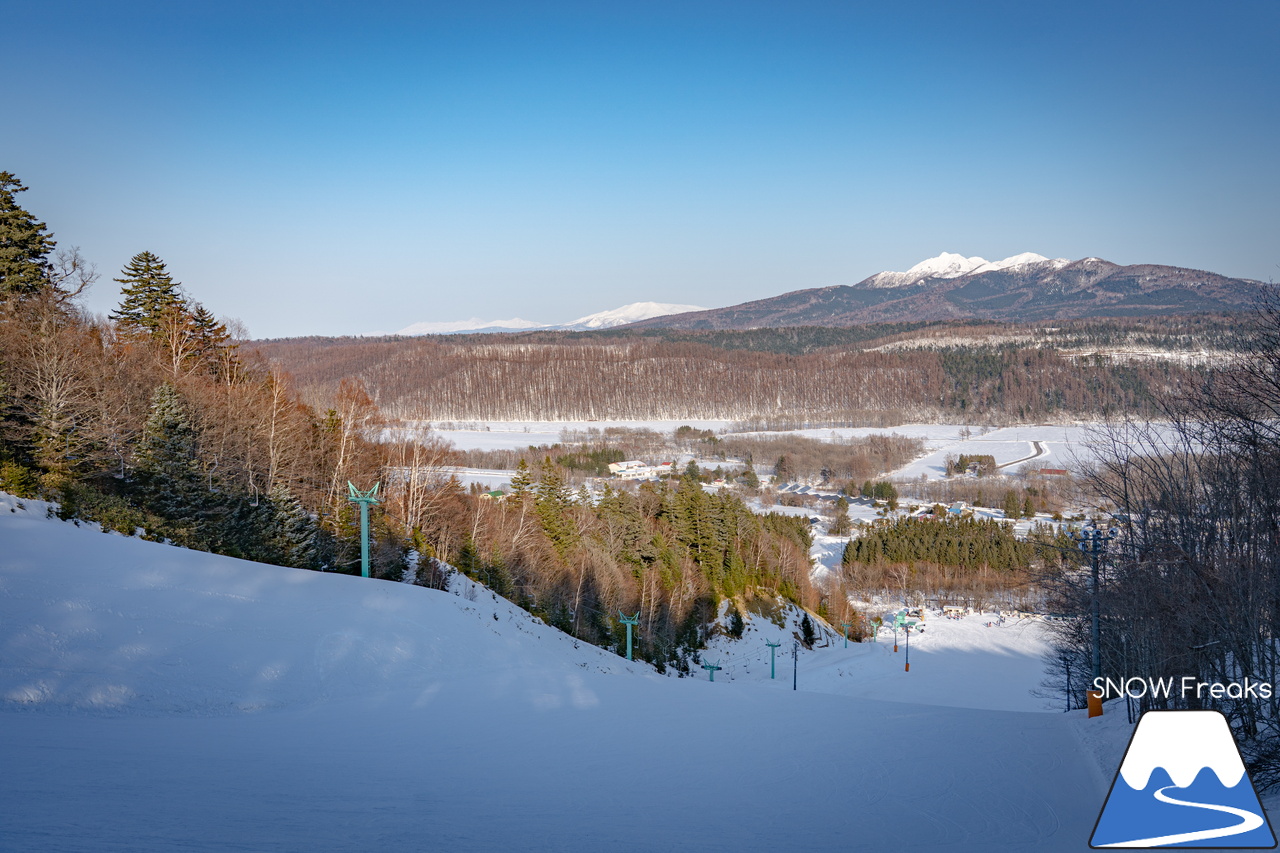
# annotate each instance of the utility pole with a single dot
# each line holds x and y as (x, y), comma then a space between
(711, 670)
(773, 647)
(847, 626)
(629, 621)
(795, 662)
(364, 499)
(1093, 541)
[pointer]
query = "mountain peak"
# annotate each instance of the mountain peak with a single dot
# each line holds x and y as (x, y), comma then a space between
(946, 265)
(950, 265)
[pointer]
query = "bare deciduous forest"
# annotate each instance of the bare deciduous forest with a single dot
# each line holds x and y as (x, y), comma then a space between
(1191, 587)
(614, 376)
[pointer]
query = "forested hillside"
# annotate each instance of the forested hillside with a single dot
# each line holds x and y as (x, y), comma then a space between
(905, 374)
(154, 421)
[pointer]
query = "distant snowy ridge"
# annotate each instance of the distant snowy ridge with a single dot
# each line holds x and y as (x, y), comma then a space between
(475, 324)
(632, 313)
(952, 265)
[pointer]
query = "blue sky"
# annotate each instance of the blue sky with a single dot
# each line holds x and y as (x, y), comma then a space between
(326, 168)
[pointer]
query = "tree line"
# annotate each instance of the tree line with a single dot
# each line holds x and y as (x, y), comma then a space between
(979, 561)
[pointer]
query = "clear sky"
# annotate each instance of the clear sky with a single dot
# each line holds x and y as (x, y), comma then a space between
(343, 168)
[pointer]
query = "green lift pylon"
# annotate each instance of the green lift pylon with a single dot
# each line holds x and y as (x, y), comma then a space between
(772, 654)
(629, 621)
(711, 670)
(364, 499)
(847, 626)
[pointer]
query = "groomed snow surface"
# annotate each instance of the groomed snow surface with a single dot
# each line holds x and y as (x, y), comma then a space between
(157, 699)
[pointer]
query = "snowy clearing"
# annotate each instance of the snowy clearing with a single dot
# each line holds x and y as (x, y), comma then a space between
(519, 435)
(1045, 445)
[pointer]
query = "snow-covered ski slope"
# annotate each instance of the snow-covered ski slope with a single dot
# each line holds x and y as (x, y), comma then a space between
(156, 699)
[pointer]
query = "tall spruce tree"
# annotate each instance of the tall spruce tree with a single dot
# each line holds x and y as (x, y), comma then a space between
(167, 459)
(25, 244)
(552, 504)
(296, 531)
(211, 336)
(521, 481)
(807, 635)
(150, 295)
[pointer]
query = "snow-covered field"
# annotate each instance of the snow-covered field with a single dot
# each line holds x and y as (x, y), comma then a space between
(1040, 446)
(488, 478)
(156, 699)
(519, 435)
(1048, 446)
(1065, 446)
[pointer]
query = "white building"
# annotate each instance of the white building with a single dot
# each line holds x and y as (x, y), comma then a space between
(636, 470)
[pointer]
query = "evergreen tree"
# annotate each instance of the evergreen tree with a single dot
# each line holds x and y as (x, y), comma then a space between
(1011, 505)
(210, 338)
(737, 625)
(25, 244)
(841, 525)
(749, 477)
(552, 506)
(295, 530)
(150, 295)
(521, 481)
(168, 472)
(807, 635)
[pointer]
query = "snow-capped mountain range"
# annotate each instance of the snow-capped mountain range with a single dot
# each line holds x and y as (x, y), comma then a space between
(1021, 288)
(951, 265)
(633, 313)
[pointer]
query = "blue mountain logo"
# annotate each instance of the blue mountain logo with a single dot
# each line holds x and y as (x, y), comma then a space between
(1182, 784)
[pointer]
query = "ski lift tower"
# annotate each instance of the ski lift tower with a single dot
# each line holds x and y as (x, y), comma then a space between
(364, 499)
(629, 621)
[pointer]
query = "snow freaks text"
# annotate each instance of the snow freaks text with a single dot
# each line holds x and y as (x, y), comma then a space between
(1188, 687)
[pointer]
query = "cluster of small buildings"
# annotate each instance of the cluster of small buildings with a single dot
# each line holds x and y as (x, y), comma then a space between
(635, 470)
